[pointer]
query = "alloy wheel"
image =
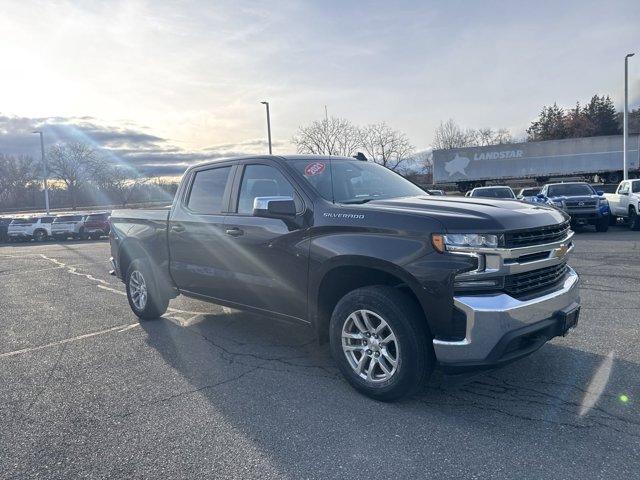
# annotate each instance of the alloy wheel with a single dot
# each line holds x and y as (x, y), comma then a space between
(370, 346)
(138, 290)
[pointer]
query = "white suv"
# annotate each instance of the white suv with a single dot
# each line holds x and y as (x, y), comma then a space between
(65, 226)
(24, 229)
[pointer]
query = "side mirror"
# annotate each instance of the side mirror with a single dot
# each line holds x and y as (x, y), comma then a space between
(541, 196)
(600, 192)
(274, 207)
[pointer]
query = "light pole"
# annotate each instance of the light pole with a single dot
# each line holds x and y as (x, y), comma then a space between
(625, 122)
(268, 124)
(46, 173)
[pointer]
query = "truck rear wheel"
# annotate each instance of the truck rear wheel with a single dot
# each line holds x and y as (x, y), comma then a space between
(145, 298)
(379, 342)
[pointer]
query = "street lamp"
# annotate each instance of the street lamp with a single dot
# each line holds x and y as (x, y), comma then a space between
(625, 123)
(46, 173)
(268, 124)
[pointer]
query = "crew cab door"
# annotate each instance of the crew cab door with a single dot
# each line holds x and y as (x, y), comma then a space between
(269, 255)
(198, 263)
(621, 205)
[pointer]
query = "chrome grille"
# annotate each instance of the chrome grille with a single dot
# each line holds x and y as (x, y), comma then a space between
(536, 236)
(526, 282)
(581, 203)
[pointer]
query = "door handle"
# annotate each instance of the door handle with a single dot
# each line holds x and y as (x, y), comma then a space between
(234, 232)
(177, 228)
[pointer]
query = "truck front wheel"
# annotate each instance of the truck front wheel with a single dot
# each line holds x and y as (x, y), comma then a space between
(602, 225)
(381, 343)
(145, 298)
(634, 219)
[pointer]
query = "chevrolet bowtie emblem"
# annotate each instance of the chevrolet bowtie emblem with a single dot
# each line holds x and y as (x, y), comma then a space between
(561, 251)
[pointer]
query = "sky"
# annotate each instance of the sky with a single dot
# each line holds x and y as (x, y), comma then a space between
(161, 85)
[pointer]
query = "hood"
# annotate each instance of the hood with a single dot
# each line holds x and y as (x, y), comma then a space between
(576, 198)
(468, 214)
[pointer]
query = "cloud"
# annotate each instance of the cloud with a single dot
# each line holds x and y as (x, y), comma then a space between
(130, 147)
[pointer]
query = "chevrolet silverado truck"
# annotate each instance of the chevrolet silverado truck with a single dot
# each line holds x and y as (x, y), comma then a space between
(398, 281)
(625, 203)
(581, 201)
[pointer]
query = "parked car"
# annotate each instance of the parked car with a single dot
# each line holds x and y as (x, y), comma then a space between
(4, 229)
(625, 203)
(96, 225)
(530, 195)
(399, 282)
(25, 229)
(68, 226)
(585, 205)
(492, 192)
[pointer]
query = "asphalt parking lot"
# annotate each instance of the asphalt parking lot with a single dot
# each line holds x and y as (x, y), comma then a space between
(88, 391)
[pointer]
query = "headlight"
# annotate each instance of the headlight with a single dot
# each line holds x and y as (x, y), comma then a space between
(468, 240)
(603, 201)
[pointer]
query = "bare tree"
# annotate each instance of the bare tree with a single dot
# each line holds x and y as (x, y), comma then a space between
(17, 174)
(124, 184)
(484, 136)
(385, 146)
(72, 164)
(330, 136)
(450, 135)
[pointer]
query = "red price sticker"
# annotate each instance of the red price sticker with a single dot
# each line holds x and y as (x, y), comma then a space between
(314, 169)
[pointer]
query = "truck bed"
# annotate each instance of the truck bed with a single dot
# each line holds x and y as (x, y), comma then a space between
(133, 214)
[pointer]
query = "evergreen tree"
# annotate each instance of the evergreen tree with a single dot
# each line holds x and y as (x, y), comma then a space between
(550, 125)
(578, 124)
(602, 114)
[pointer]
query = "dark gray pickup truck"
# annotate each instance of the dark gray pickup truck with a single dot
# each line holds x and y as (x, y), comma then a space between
(398, 281)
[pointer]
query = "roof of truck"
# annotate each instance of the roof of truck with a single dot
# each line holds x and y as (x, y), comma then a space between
(309, 157)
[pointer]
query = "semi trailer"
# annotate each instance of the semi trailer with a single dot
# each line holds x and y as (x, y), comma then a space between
(594, 159)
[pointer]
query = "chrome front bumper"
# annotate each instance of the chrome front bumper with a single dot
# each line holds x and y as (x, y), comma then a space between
(490, 317)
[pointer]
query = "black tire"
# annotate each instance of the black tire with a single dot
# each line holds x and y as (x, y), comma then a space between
(156, 303)
(634, 219)
(415, 357)
(613, 220)
(602, 225)
(40, 235)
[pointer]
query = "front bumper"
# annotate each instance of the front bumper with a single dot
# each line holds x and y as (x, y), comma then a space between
(496, 321)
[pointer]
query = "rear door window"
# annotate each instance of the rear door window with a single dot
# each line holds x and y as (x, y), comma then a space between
(636, 187)
(207, 190)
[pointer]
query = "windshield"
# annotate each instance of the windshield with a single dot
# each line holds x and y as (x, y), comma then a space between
(345, 181)
(570, 189)
(493, 193)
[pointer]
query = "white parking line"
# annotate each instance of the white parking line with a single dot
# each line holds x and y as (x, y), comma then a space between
(119, 328)
(189, 318)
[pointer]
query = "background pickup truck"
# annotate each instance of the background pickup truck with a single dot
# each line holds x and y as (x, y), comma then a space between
(625, 203)
(584, 205)
(398, 281)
